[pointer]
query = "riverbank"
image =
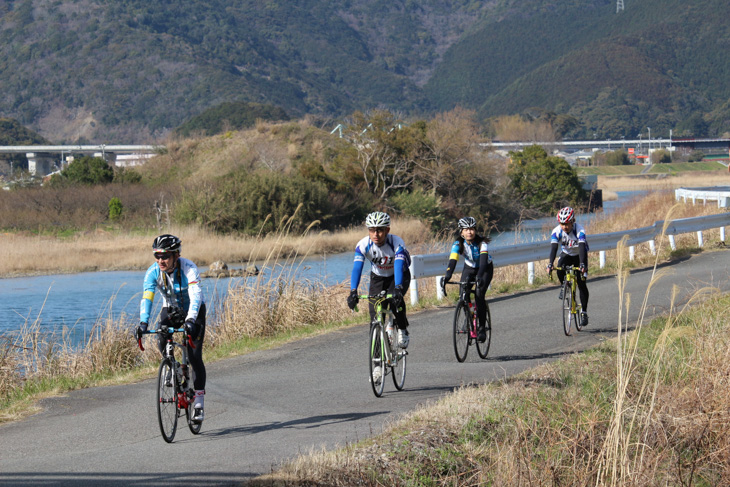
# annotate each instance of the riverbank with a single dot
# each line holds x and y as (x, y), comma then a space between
(263, 312)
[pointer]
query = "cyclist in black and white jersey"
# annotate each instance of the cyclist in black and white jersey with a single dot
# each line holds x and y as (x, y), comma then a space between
(478, 266)
(389, 269)
(571, 236)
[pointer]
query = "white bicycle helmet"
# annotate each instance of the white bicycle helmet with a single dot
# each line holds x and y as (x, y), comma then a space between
(566, 215)
(377, 219)
(166, 243)
(467, 222)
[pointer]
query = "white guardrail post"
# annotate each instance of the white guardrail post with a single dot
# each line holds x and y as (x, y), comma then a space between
(434, 265)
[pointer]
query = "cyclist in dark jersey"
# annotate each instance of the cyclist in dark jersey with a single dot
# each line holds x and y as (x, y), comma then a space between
(178, 280)
(571, 236)
(478, 267)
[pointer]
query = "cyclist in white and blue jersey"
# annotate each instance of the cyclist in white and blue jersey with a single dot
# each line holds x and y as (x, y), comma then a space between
(389, 269)
(571, 236)
(178, 280)
(478, 267)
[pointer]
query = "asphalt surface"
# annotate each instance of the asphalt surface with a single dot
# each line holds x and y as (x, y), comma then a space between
(270, 406)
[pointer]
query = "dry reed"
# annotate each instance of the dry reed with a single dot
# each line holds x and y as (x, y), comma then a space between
(102, 250)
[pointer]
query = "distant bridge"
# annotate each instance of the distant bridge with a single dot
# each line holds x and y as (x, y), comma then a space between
(43, 159)
(642, 145)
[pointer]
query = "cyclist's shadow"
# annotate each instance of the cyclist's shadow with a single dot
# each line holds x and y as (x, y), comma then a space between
(302, 423)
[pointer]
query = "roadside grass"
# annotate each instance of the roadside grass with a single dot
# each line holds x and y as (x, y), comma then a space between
(263, 314)
(647, 407)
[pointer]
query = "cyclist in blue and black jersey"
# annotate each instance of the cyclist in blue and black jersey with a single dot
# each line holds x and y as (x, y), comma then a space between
(178, 280)
(389, 269)
(478, 267)
(571, 236)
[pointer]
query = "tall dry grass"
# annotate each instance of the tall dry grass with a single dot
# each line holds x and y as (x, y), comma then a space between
(100, 250)
(664, 181)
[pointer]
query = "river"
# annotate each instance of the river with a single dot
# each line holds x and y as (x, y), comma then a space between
(77, 301)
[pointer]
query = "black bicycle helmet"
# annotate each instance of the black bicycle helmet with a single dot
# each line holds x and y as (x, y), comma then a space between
(166, 243)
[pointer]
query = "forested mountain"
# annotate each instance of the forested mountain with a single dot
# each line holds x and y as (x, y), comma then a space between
(132, 71)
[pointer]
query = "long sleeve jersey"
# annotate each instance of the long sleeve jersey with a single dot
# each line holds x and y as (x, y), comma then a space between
(386, 260)
(570, 243)
(180, 288)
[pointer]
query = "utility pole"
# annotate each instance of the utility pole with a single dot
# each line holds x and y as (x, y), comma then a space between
(619, 6)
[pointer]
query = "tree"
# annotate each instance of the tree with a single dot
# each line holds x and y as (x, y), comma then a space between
(386, 150)
(450, 139)
(88, 170)
(612, 158)
(544, 183)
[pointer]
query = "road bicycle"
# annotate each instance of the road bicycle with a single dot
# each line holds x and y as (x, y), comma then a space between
(466, 322)
(386, 357)
(571, 305)
(175, 392)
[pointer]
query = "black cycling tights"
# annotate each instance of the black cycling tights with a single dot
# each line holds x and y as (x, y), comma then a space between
(195, 355)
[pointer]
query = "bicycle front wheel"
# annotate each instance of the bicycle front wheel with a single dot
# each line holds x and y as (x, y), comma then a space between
(377, 359)
(462, 323)
(483, 347)
(567, 308)
(166, 400)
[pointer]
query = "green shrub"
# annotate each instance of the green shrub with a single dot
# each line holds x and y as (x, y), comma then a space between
(420, 204)
(115, 208)
(255, 202)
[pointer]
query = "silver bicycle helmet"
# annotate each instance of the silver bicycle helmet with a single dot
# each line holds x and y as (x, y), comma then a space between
(166, 243)
(467, 222)
(566, 215)
(377, 219)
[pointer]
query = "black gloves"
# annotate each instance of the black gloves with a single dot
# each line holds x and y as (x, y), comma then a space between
(352, 299)
(398, 296)
(549, 268)
(482, 283)
(191, 328)
(141, 330)
(583, 269)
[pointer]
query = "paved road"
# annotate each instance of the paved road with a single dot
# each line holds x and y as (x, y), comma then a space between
(266, 407)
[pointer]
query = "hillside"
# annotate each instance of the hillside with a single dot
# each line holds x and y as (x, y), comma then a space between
(659, 63)
(131, 72)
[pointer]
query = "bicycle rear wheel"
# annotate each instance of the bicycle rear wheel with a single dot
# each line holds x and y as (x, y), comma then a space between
(399, 369)
(193, 425)
(461, 331)
(483, 347)
(166, 401)
(567, 308)
(576, 315)
(377, 359)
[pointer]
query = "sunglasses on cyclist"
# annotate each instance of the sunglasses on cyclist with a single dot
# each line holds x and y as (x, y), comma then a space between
(164, 256)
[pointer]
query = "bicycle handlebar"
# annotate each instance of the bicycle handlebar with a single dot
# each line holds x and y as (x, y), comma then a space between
(169, 331)
(459, 283)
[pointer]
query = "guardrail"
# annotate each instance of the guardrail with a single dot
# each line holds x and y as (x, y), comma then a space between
(434, 265)
(719, 194)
